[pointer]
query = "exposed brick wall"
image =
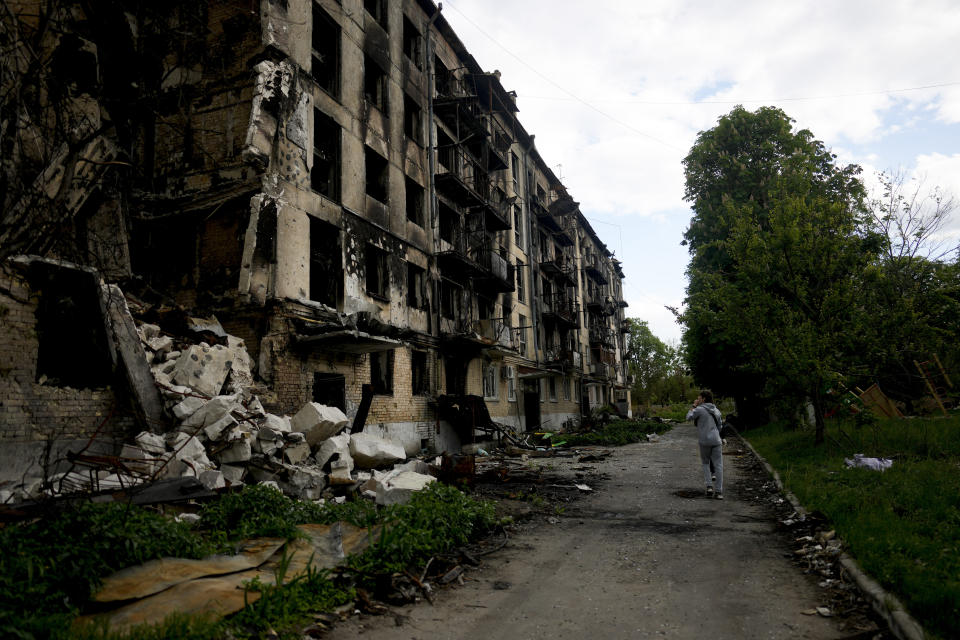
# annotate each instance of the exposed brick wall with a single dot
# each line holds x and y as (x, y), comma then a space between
(30, 411)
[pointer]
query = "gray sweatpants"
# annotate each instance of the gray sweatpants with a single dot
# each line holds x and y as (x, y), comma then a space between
(715, 453)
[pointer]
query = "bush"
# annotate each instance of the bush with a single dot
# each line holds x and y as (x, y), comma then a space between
(619, 432)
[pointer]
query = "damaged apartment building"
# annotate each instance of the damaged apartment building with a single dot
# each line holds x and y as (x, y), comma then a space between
(338, 182)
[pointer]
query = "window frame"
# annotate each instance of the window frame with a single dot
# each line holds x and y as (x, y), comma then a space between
(335, 48)
(378, 287)
(384, 385)
(489, 376)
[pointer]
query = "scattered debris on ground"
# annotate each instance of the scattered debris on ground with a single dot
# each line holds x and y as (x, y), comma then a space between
(814, 547)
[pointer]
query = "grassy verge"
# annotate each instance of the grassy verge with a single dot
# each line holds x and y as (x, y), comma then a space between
(51, 566)
(902, 525)
(618, 432)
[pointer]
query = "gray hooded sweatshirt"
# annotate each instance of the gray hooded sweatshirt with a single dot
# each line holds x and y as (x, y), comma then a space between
(707, 418)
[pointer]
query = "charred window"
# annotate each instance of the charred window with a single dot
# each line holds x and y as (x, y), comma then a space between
(416, 287)
(325, 66)
(330, 389)
(415, 202)
(325, 174)
(381, 372)
(412, 43)
(412, 120)
(374, 83)
(377, 10)
(520, 281)
(518, 226)
(522, 334)
(378, 278)
(72, 338)
(450, 300)
(419, 380)
(449, 225)
(377, 175)
(326, 263)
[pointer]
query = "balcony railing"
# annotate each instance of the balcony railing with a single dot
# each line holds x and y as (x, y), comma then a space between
(562, 309)
(495, 329)
(497, 275)
(560, 268)
(594, 267)
(602, 336)
(564, 358)
(461, 178)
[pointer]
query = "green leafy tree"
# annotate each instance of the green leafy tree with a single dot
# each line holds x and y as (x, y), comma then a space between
(649, 359)
(775, 240)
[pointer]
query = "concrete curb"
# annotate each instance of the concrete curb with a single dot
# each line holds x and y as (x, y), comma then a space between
(901, 623)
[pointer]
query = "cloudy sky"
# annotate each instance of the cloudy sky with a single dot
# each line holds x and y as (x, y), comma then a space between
(616, 91)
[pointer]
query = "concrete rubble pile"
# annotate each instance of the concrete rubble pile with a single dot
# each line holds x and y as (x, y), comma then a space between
(225, 438)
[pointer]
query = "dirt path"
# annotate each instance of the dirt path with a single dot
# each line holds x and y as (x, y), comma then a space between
(635, 559)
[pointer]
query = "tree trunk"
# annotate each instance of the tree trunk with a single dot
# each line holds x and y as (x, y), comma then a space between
(818, 416)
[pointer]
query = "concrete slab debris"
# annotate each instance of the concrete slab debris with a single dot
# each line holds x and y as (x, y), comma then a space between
(401, 487)
(319, 422)
(371, 452)
(203, 368)
(187, 407)
(296, 453)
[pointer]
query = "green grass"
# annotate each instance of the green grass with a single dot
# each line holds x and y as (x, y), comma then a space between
(618, 432)
(676, 411)
(51, 566)
(902, 525)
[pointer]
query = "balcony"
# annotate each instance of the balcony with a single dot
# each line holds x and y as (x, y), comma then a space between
(594, 267)
(565, 236)
(544, 217)
(558, 357)
(600, 370)
(496, 275)
(461, 178)
(560, 268)
(561, 309)
(458, 110)
(496, 215)
(496, 330)
(599, 302)
(601, 336)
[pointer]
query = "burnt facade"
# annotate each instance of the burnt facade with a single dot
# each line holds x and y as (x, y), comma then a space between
(340, 183)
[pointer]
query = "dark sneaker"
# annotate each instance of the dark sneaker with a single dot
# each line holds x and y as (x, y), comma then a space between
(709, 492)
(714, 478)
(718, 496)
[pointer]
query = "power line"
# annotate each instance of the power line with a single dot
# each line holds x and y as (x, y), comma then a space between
(561, 88)
(755, 100)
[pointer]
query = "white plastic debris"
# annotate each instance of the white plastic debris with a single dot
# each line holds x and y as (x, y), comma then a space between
(875, 464)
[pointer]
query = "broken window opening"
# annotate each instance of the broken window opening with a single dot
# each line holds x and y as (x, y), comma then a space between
(522, 334)
(419, 380)
(415, 202)
(450, 300)
(266, 247)
(520, 281)
(552, 383)
(378, 278)
(450, 225)
(412, 43)
(412, 120)
(330, 389)
(381, 372)
(511, 375)
(374, 84)
(515, 173)
(378, 11)
(325, 66)
(325, 174)
(326, 263)
(72, 342)
(416, 287)
(491, 386)
(377, 175)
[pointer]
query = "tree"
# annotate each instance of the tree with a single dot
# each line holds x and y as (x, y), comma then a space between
(913, 286)
(649, 359)
(776, 243)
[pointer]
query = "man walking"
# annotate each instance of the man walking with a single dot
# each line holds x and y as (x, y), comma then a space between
(707, 419)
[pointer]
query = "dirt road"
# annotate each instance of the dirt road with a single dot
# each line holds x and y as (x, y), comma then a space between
(639, 558)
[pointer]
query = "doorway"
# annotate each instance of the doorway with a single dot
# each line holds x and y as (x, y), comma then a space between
(330, 389)
(531, 403)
